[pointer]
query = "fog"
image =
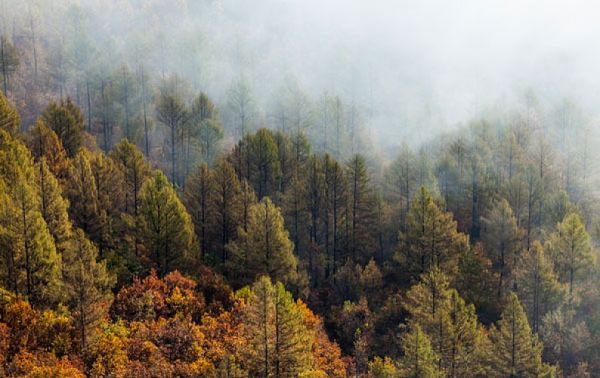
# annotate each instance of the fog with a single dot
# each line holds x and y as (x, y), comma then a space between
(413, 68)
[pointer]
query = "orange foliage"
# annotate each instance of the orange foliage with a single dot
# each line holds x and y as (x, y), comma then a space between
(224, 334)
(152, 298)
(43, 365)
(173, 345)
(327, 356)
(21, 319)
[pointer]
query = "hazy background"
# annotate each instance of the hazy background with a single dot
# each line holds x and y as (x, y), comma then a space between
(412, 68)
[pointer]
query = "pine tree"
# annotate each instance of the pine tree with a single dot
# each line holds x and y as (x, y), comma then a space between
(135, 171)
(207, 127)
(264, 168)
(501, 240)
(264, 248)
(67, 122)
(431, 239)
(295, 214)
(9, 62)
(199, 192)
(31, 264)
(248, 199)
(171, 112)
(9, 118)
(166, 230)
(279, 343)
(539, 290)
(535, 194)
(44, 143)
(402, 180)
(314, 184)
(362, 216)
(570, 250)
(81, 191)
(336, 192)
(419, 360)
(449, 322)
(87, 285)
(241, 106)
(227, 206)
(517, 352)
(109, 189)
(53, 207)
(477, 283)
(287, 159)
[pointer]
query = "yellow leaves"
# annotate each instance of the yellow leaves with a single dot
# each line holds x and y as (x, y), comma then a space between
(326, 355)
(4, 343)
(383, 368)
(108, 351)
(56, 331)
(44, 365)
(177, 300)
(9, 118)
(313, 374)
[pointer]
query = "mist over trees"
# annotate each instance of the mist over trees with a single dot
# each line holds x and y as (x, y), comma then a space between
(194, 189)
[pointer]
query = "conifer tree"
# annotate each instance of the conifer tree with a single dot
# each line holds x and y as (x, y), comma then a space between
(287, 159)
(296, 217)
(166, 230)
(31, 264)
(207, 127)
(248, 199)
(9, 62)
(110, 194)
(227, 206)
(402, 180)
(314, 192)
(336, 192)
(477, 283)
(431, 239)
(67, 122)
(534, 197)
(171, 112)
(363, 216)
(419, 360)
(241, 106)
(264, 168)
(279, 343)
(53, 207)
(264, 248)
(135, 171)
(81, 191)
(44, 143)
(539, 290)
(570, 250)
(9, 118)
(501, 240)
(449, 322)
(199, 192)
(517, 352)
(87, 284)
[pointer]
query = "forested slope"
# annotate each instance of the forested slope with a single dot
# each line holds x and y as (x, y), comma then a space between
(147, 230)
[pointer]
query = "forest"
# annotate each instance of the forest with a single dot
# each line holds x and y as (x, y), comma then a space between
(163, 214)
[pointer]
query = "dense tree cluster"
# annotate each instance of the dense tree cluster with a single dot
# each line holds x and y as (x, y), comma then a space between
(147, 231)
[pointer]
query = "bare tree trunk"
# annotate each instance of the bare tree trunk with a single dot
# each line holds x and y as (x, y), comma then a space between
(146, 143)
